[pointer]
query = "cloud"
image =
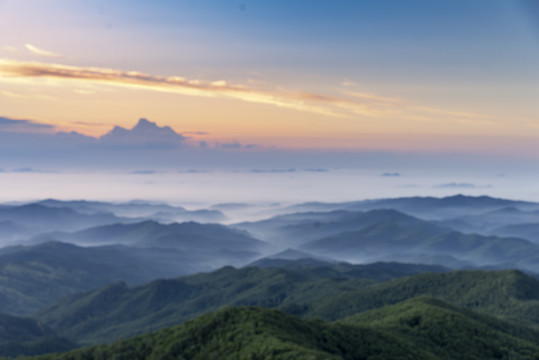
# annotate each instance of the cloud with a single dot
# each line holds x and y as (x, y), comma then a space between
(347, 105)
(195, 133)
(375, 97)
(391, 174)
(26, 96)
(85, 123)
(24, 126)
(11, 94)
(84, 92)
(41, 52)
(174, 84)
(144, 134)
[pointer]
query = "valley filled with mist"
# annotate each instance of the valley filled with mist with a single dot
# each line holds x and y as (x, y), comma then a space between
(389, 273)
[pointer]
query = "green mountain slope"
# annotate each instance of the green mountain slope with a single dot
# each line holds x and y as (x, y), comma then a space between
(450, 332)
(34, 276)
(417, 329)
(509, 294)
(21, 336)
(254, 333)
(118, 311)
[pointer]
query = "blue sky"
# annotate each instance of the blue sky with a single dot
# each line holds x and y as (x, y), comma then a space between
(422, 87)
(388, 75)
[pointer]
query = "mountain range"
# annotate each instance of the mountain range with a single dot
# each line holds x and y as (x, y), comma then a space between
(92, 272)
(422, 328)
(329, 293)
(34, 276)
(387, 320)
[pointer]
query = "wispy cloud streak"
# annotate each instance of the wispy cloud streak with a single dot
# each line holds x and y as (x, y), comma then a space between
(349, 104)
(41, 52)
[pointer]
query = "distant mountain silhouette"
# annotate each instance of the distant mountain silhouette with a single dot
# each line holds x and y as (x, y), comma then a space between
(424, 207)
(295, 229)
(39, 217)
(138, 209)
(423, 242)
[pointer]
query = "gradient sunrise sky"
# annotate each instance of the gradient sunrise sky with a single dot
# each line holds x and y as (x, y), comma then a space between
(422, 75)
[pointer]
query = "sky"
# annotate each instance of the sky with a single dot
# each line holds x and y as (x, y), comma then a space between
(255, 83)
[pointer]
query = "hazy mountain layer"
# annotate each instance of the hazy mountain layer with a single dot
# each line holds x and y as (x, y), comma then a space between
(32, 277)
(292, 230)
(423, 242)
(139, 209)
(19, 222)
(425, 207)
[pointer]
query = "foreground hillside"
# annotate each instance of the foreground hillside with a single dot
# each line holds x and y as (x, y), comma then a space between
(118, 311)
(417, 329)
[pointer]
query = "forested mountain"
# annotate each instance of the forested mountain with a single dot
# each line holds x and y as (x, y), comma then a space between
(124, 281)
(117, 311)
(29, 337)
(418, 329)
(34, 276)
